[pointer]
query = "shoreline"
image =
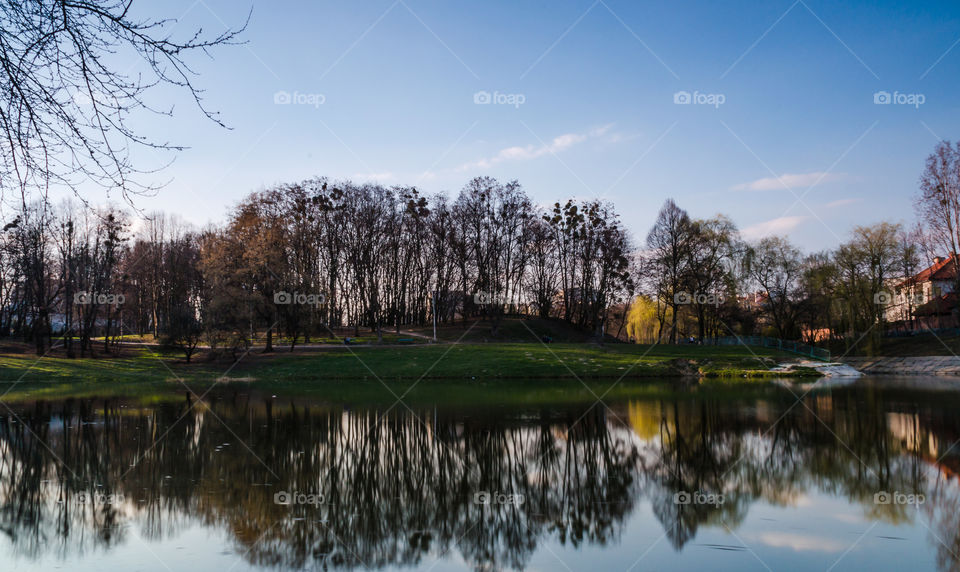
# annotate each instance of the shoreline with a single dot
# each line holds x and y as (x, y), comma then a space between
(918, 365)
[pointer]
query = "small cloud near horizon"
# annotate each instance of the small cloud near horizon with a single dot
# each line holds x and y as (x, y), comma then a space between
(525, 153)
(377, 177)
(774, 227)
(842, 203)
(790, 181)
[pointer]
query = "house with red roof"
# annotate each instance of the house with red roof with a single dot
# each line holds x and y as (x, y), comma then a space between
(928, 299)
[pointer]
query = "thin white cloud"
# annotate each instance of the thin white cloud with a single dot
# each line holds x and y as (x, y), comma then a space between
(623, 137)
(526, 153)
(377, 177)
(842, 203)
(777, 226)
(790, 181)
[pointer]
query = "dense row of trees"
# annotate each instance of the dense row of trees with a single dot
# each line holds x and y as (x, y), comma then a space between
(305, 259)
(701, 279)
(302, 259)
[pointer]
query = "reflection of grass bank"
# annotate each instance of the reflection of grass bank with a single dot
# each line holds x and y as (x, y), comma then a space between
(467, 395)
(354, 368)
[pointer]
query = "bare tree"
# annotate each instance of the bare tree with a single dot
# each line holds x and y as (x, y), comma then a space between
(938, 204)
(775, 266)
(669, 242)
(65, 106)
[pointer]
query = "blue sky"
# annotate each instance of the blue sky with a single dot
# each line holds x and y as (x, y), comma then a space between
(784, 135)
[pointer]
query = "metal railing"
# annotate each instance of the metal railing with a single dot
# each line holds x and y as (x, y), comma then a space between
(772, 343)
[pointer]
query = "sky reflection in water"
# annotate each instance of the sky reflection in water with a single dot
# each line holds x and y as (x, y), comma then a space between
(859, 477)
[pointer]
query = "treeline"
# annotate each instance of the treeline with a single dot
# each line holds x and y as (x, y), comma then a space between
(700, 279)
(302, 259)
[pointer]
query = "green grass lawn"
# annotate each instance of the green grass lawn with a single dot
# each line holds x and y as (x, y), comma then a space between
(530, 360)
(463, 373)
(922, 344)
(444, 361)
(508, 330)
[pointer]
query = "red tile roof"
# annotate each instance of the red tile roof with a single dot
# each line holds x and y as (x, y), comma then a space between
(946, 269)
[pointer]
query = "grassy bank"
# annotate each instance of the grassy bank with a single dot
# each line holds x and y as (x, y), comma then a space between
(443, 361)
(920, 345)
(518, 361)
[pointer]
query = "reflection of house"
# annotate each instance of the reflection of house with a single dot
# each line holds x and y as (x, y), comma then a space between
(928, 443)
(927, 299)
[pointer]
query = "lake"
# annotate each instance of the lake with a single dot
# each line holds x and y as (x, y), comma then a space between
(718, 477)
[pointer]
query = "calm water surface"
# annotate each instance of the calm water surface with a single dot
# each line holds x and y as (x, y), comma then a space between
(859, 477)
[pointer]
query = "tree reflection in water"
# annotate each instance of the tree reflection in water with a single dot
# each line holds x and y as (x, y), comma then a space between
(403, 488)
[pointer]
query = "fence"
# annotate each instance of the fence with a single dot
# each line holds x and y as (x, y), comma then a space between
(773, 343)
